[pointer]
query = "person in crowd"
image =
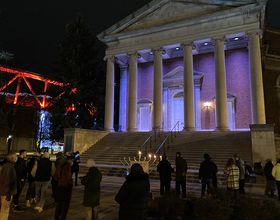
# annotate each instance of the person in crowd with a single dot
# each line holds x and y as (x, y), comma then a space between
(21, 171)
(63, 176)
(42, 171)
(134, 195)
(164, 168)
(75, 167)
(276, 174)
(232, 175)
(59, 159)
(30, 194)
(8, 184)
(214, 178)
(92, 190)
(270, 180)
(181, 172)
(240, 164)
(206, 172)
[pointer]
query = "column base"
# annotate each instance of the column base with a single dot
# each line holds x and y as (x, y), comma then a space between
(222, 128)
(109, 129)
(132, 129)
(191, 129)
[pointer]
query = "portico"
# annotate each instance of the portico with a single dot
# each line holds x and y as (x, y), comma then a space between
(175, 56)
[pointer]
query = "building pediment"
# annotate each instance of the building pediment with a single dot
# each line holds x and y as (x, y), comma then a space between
(178, 73)
(175, 77)
(164, 12)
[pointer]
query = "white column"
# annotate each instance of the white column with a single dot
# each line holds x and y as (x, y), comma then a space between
(109, 98)
(132, 97)
(123, 95)
(189, 124)
(165, 108)
(220, 85)
(157, 86)
(197, 107)
(256, 79)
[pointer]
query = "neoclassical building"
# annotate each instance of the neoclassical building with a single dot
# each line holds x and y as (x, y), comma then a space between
(192, 62)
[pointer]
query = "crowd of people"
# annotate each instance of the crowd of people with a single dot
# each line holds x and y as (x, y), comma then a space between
(39, 171)
(134, 194)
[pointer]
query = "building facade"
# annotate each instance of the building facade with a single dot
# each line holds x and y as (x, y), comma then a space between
(186, 62)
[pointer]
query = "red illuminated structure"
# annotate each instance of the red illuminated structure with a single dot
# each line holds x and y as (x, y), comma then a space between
(38, 81)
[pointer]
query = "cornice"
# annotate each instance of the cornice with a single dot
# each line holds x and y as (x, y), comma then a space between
(246, 10)
(155, 4)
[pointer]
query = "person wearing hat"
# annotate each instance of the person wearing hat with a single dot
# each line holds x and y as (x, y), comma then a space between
(164, 168)
(30, 194)
(63, 176)
(42, 171)
(240, 164)
(206, 173)
(92, 190)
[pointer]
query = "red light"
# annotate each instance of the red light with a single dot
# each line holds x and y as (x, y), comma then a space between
(25, 75)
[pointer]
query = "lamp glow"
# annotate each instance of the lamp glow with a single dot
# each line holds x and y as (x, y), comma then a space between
(207, 104)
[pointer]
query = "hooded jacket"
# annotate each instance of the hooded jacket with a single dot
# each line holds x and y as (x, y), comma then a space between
(134, 196)
(8, 179)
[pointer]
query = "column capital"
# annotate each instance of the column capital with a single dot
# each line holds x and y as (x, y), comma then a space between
(218, 39)
(249, 34)
(123, 66)
(135, 53)
(153, 50)
(109, 57)
(190, 44)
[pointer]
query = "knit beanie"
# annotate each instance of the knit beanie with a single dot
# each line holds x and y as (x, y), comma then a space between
(90, 163)
(46, 155)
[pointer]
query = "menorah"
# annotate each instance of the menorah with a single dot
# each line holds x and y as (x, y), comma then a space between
(148, 163)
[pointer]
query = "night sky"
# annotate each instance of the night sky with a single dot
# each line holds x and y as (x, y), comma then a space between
(32, 29)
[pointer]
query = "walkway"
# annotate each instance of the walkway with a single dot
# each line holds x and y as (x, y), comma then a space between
(108, 209)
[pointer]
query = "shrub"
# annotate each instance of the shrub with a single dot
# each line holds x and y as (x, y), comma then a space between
(167, 207)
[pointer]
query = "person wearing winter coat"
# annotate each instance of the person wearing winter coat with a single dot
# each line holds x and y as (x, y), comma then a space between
(42, 171)
(91, 198)
(30, 194)
(164, 168)
(270, 180)
(181, 173)
(63, 176)
(8, 184)
(276, 174)
(240, 164)
(60, 158)
(232, 175)
(75, 168)
(20, 168)
(134, 195)
(206, 172)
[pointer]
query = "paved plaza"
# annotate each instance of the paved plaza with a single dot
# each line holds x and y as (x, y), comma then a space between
(108, 209)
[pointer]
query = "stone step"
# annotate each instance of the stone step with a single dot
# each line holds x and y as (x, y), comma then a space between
(192, 175)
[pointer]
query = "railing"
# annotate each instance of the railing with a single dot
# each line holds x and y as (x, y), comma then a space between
(169, 139)
(149, 142)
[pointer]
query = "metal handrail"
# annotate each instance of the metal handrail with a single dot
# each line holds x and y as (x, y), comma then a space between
(149, 138)
(170, 133)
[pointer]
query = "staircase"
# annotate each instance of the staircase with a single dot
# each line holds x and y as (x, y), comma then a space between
(219, 145)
